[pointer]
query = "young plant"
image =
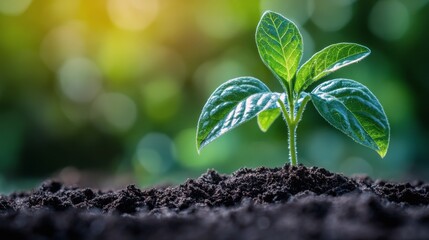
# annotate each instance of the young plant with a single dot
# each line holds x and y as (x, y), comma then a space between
(346, 104)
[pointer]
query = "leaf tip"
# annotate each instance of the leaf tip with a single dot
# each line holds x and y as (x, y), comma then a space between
(199, 147)
(262, 128)
(382, 153)
(198, 141)
(385, 145)
(366, 52)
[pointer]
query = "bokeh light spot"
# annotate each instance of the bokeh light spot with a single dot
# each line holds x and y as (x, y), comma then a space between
(332, 15)
(211, 74)
(155, 152)
(132, 14)
(230, 24)
(389, 19)
(298, 11)
(62, 43)
(14, 7)
(114, 111)
(80, 79)
(161, 98)
(122, 58)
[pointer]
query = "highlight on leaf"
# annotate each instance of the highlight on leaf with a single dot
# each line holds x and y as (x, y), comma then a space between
(230, 105)
(329, 60)
(353, 109)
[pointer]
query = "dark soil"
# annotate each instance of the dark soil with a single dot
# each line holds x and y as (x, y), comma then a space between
(281, 203)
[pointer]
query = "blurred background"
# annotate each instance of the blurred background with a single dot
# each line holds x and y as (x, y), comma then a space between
(108, 92)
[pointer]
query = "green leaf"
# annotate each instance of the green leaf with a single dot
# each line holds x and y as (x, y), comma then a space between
(328, 60)
(350, 107)
(231, 104)
(266, 118)
(279, 44)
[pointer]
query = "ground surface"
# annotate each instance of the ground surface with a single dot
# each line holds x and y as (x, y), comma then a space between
(281, 203)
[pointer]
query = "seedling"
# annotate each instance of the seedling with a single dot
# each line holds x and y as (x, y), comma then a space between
(346, 104)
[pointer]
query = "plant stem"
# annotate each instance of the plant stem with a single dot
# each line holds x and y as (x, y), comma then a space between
(292, 125)
(292, 143)
(292, 119)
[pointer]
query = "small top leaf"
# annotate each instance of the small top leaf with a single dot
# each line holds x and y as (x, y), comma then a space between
(350, 107)
(231, 104)
(279, 44)
(327, 61)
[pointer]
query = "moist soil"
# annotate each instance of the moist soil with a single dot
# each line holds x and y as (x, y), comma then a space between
(292, 202)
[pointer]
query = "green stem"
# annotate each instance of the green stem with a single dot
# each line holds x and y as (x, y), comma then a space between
(301, 109)
(292, 125)
(292, 144)
(292, 121)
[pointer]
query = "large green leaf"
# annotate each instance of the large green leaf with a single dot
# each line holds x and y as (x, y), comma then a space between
(279, 44)
(231, 104)
(353, 109)
(328, 60)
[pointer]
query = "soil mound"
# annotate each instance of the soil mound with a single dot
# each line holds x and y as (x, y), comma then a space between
(293, 202)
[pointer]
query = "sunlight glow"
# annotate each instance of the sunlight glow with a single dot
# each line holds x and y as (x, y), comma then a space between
(61, 43)
(14, 7)
(132, 15)
(389, 20)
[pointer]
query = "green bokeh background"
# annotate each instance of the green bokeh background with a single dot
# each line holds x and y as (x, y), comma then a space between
(108, 92)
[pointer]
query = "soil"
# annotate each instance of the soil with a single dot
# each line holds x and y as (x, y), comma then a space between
(292, 202)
